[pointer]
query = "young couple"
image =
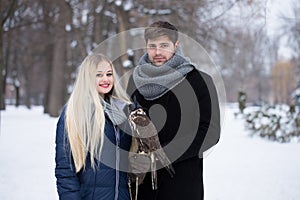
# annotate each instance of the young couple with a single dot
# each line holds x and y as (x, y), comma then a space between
(91, 139)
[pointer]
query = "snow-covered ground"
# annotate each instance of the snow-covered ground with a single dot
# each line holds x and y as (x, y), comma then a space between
(245, 168)
(27, 142)
(238, 168)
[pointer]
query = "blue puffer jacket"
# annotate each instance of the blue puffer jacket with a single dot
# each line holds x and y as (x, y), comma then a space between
(106, 182)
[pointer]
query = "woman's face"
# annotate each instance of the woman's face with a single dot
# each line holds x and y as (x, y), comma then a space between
(104, 78)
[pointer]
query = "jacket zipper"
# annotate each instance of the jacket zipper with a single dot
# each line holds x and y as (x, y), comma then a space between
(117, 162)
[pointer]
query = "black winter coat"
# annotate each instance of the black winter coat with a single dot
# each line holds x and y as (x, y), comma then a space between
(188, 120)
(103, 183)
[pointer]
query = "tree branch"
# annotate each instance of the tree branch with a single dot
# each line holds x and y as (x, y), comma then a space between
(10, 12)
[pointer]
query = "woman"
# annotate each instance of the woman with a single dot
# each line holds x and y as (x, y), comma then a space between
(88, 141)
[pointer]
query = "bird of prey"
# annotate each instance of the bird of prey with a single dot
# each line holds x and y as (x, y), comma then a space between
(145, 142)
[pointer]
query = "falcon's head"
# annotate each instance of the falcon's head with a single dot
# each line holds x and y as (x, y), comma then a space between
(139, 117)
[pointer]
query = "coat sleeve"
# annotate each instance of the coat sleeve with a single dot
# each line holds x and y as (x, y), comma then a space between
(130, 87)
(213, 132)
(68, 186)
(208, 132)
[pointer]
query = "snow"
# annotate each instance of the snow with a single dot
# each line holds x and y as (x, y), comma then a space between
(118, 3)
(27, 155)
(128, 5)
(239, 167)
(127, 63)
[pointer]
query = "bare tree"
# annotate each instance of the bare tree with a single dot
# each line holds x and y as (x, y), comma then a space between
(291, 26)
(66, 31)
(7, 10)
(58, 87)
(290, 31)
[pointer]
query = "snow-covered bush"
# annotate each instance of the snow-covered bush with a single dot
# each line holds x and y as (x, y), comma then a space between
(279, 122)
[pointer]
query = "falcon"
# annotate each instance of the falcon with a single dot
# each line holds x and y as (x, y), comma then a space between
(145, 142)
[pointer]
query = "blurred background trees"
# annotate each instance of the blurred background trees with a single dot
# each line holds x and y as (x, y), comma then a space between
(44, 41)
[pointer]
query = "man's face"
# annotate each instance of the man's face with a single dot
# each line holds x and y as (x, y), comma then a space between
(160, 50)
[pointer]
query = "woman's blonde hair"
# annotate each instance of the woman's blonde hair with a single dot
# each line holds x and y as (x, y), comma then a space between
(85, 118)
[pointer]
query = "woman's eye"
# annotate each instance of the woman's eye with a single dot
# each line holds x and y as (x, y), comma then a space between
(109, 74)
(99, 75)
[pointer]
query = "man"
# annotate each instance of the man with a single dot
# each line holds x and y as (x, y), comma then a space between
(183, 105)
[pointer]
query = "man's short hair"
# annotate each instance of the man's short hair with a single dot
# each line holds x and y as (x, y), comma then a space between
(161, 28)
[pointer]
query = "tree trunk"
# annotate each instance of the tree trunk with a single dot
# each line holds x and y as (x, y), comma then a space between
(47, 5)
(99, 24)
(17, 89)
(10, 12)
(2, 85)
(121, 15)
(56, 94)
(48, 82)
(57, 87)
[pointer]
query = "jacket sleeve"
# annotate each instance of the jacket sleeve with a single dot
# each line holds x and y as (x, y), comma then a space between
(68, 186)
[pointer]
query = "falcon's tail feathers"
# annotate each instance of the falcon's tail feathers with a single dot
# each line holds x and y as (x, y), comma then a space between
(164, 160)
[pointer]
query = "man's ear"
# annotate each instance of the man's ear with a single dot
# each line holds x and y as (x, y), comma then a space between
(176, 44)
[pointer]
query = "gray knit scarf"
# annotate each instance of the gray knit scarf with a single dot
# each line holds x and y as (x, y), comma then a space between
(154, 81)
(115, 110)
